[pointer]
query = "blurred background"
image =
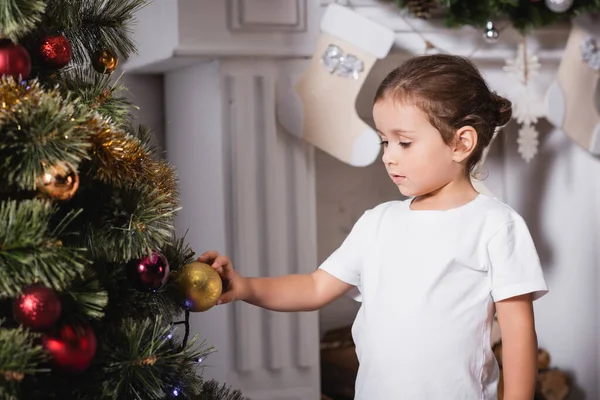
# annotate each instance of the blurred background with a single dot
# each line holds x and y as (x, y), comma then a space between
(211, 78)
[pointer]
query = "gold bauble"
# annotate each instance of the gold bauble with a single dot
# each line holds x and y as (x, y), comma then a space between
(59, 181)
(199, 286)
(105, 61)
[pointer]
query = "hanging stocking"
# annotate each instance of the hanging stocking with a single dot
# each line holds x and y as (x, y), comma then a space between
(573, 100)
(320, 107)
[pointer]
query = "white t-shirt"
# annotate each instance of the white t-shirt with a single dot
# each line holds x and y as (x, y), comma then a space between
(428, 281)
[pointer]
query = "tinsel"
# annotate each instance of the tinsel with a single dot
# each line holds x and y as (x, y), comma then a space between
(121, 159)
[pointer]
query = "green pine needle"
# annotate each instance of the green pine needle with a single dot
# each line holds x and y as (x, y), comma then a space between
(127, 302)
(43, 127)
(94, 24)
(19, 17)
(98, 92)
(524, 16)
(143, 363)
(122, 210)
(212, 390)
(30, 252)
(148, 140)
(20, 355)
(86, 297)
(127, 222)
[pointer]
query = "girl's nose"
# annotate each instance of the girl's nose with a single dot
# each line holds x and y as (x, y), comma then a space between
(388, 157)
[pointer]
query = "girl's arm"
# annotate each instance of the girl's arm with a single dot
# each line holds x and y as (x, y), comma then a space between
(307, 292)
(519, 347)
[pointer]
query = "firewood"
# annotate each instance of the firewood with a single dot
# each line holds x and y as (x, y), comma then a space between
(543, 359)
(337, 338)
(553, 384)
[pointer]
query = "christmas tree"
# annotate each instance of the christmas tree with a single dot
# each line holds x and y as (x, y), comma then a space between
(95, 289)
(523, 15)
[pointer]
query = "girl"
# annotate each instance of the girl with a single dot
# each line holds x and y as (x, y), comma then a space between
(434, 269)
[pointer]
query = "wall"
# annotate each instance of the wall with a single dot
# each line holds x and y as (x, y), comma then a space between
(146, 92)
(556, 193)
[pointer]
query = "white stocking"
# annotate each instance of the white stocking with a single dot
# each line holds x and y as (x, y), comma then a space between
(572, 100)
(320, 107)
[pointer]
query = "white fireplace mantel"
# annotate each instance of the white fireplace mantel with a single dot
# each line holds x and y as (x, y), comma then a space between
(247, 187)
(175, 33)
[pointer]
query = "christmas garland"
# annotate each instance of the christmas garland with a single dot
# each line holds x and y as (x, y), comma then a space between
(524, 15)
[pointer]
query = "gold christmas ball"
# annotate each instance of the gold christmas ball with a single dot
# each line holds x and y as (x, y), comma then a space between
(105, 61)
(199, 286)
(59, 181)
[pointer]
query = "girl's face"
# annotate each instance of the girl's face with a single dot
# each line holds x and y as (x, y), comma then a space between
(414, 153)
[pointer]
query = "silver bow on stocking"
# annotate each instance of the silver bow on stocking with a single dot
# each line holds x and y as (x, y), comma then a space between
(590, 53)
(345, 65)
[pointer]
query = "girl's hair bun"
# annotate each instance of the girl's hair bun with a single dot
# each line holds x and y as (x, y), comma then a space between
(503, 109)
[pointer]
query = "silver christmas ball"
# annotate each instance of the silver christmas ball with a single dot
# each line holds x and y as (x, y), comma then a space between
(559, 6)
(491, 33)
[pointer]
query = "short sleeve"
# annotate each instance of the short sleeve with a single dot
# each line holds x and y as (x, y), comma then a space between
(515, 265)
(346, 262)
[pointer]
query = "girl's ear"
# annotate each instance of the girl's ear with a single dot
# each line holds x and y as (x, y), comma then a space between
(465, 142)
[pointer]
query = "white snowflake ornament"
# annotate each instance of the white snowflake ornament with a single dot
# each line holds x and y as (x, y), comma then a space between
(524, 67)
(528, 104)
(528, 142)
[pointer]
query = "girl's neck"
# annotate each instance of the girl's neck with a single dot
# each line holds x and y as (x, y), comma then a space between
(452, 195)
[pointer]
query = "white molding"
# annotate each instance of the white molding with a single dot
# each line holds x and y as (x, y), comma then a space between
(245, 214)
(267, 15)
(272, 230)
(289, 29)
(195, 143)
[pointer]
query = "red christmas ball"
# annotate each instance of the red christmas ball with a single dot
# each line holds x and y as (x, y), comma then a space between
(148, 274)
(56, 51)
(73, 348)
(14, 60)
(38, 307)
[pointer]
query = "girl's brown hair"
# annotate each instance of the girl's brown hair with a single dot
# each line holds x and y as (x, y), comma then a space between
(453, 94)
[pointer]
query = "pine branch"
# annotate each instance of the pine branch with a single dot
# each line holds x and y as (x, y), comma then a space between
(86, 298)
(19, 356)
(148, 140)
(143, 363)
(93, 24)
(178, 252)
(39, 127)
(127, 223)
(19, 17)
(31, 252)
(212, 390)
(127, 302)
(98, 92)
(523, 15)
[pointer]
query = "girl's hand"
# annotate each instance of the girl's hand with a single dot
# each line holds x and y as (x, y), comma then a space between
(235, 287)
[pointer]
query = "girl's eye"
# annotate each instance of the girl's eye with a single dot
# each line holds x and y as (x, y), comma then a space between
(383, 143)
(405, 144)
